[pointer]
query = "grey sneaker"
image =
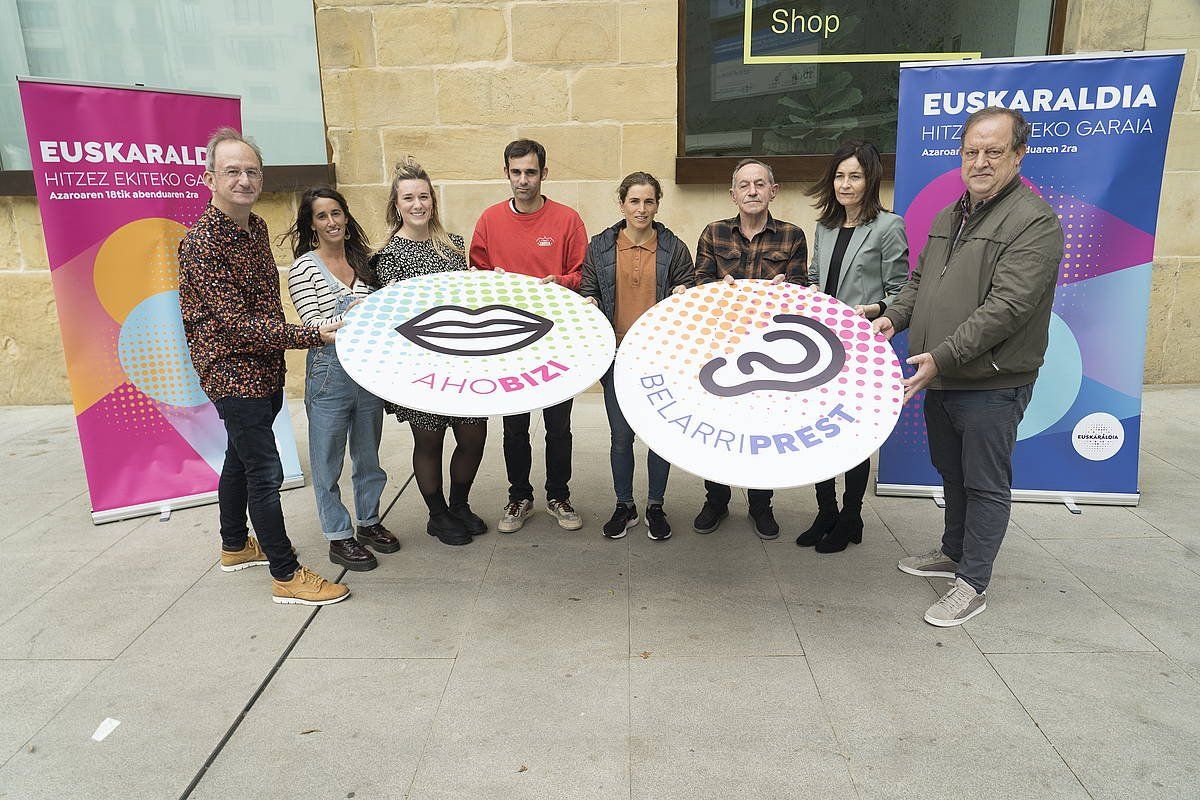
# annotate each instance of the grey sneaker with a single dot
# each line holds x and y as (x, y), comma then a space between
(933, 564)
(515, 514)
(568, 518)
(956, 606)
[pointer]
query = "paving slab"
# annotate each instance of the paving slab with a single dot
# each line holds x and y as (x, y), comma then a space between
(175, 692)
(32, 693)
(507, 730)
(1128, 724)
(1152, 585)
(332, 728)
(716, 727)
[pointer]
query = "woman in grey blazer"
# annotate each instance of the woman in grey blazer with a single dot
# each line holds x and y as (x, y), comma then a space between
(860, 256)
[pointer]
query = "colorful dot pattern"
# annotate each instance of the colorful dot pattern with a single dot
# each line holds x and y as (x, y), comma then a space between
(388, 364)
(684, 332)
(154, 353)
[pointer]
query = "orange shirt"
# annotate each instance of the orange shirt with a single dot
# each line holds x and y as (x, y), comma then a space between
(636, 282)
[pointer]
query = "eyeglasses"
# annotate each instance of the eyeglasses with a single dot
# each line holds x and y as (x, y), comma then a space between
(990, 154)
(253, 175)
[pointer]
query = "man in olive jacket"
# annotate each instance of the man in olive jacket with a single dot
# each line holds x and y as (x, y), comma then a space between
(977, 309)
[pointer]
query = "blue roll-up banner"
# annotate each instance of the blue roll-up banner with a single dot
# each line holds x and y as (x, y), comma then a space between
(1096, 154)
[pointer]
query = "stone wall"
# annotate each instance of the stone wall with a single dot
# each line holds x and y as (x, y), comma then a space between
(450, 82)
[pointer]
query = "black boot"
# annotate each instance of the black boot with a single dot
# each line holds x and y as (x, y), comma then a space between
(848, 529)
(822, 526)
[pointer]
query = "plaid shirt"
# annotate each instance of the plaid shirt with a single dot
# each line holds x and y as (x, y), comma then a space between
(779, 248)
(232, 315)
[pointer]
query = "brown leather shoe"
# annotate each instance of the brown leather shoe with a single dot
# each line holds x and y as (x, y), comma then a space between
(378, 538)
(352, 555)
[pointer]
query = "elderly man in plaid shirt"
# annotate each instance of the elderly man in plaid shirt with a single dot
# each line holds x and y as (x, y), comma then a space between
(752, 244)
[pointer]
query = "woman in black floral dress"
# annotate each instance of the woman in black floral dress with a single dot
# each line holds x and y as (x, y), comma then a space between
(419, 245)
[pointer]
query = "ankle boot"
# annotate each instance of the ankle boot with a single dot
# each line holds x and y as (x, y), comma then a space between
(848, 529)
(826, 518)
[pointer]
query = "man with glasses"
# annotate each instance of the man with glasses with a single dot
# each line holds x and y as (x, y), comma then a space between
(233, 320)
(978, 312)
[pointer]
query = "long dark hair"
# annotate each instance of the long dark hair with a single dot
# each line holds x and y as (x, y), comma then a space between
(301, 235)
(833, 213)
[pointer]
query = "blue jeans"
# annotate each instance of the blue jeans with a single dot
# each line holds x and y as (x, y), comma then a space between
(620, 452)
(340, 409)
(971, 438)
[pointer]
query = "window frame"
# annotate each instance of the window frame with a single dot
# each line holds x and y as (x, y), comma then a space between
(717, 169)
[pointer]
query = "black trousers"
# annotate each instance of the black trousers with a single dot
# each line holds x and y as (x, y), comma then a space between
(250, 480)
(718, 495)
(518, 455)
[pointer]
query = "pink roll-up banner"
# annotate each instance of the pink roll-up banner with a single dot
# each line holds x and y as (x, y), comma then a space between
(119, 179)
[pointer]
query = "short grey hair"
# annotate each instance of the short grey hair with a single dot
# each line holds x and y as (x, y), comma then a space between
(745, 162)
(1020, 127)
(226, 134)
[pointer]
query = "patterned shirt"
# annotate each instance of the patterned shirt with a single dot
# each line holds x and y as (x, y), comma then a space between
(232, 315)
(779, 248)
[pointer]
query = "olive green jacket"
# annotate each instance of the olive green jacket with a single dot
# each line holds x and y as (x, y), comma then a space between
(979, 302)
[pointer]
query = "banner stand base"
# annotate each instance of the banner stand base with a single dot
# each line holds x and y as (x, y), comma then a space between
(1068, 499)
(165, 507)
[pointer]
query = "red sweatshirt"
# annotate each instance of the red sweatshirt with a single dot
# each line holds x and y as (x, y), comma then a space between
(550, 241)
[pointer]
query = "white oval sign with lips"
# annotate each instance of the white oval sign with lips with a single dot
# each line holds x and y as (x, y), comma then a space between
(475, 344)
(758, 385)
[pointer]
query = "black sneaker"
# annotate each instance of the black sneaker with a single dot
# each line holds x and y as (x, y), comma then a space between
(623, 518)
(764, 523)
(447, 529)
(470, 520)
(709, 518)
(657, 527)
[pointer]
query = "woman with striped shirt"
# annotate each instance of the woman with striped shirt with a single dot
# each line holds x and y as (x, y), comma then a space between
(331, 273)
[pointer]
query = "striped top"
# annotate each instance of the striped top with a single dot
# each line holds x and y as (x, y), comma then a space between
(315, 300)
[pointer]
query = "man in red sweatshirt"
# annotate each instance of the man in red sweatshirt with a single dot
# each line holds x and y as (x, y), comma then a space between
(533, 235)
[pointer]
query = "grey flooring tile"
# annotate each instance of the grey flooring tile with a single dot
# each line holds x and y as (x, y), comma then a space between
(50, 461)
(24, 577)
(1054, 521)
(1127, 723)
(713, 727)
(1151, 584)
(18, 512)
(1169, 501)
(707, 595)
(107, 603)
(902, 699)
(1172, 438)
(332, 729)
(421, 618)
(175, 691)
(32, 692)
(510, 730)
(20, 421)
(1035, 604)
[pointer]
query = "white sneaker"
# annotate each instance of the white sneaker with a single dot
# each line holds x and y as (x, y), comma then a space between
(515, 514)
(934, 564)
(956, 606)
(568, 518)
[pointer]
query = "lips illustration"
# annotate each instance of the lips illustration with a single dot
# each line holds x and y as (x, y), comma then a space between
(486, 331)
(824, 357)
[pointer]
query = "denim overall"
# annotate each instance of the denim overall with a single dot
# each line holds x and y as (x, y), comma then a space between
(340, 410)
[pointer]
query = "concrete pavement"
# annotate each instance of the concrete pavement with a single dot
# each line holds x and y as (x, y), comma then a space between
(549, 664)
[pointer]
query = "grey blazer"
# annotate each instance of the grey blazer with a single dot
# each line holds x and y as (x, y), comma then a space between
(875, 266)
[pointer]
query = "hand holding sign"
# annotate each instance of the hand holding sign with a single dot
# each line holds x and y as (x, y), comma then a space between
(475, 344)
(759, 384)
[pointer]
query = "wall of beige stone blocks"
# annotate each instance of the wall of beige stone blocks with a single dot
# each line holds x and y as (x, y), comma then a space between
(450, 82)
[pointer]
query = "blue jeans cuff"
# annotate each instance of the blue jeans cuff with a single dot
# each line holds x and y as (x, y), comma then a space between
(338, 536)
